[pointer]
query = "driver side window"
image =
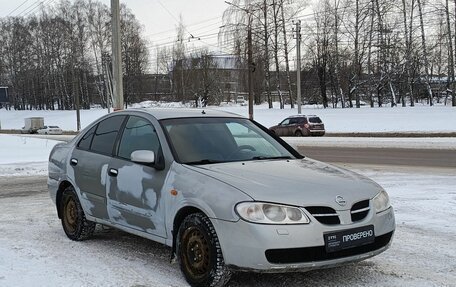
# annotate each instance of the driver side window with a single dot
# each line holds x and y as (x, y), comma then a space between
(139, 134)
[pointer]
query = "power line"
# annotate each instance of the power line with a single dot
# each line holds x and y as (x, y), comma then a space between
(38, 6)
(29, 7)
(15, 9)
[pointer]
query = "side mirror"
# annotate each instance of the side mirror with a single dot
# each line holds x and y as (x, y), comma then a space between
(143, 156)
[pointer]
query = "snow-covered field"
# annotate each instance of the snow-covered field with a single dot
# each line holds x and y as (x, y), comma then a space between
(410, 119)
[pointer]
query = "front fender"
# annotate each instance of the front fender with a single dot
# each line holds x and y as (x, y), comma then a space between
(185, 187)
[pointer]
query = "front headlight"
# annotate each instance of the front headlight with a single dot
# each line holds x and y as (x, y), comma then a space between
(381, 201)
(268, 213)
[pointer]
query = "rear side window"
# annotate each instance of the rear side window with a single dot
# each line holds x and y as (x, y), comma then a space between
(87, 139)
(106, 134)
(293, 121)
(302, 121)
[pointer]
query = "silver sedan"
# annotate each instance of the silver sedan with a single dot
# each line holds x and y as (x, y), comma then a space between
(222, 191)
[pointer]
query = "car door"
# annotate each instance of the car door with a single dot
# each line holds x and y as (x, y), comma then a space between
(282, 128)
(292, 127)
(134, 192)
(89, 162)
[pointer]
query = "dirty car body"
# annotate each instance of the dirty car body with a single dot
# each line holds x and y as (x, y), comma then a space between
(192, 178)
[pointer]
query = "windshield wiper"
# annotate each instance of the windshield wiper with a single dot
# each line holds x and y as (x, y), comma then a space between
(270, 157)
(203, 161)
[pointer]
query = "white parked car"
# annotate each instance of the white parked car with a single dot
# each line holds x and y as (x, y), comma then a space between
(240, 100)
(50, 130)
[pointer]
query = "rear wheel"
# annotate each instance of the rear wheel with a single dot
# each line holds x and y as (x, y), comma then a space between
(200, 255)
(298, 133)
(74, 222)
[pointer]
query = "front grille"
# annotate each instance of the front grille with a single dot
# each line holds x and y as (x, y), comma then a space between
(323, 214)
(318, 253)
(359, 210)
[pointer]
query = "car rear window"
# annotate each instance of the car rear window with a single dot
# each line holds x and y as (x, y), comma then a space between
(315, 120)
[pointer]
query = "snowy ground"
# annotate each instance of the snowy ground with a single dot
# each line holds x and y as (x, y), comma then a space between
(34, 250)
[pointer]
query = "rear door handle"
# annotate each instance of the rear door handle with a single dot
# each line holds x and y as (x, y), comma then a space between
(113, 172)
(73, 161)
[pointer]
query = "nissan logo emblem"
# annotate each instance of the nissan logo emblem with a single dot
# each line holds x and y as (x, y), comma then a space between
(340, 200)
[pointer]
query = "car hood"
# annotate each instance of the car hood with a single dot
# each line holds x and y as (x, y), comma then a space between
(301, 182)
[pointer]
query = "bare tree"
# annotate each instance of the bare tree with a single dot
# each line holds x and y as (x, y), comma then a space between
(425, 53)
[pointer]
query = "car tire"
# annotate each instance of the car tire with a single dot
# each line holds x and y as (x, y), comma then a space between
(199, 252)
(298, 133)
(74, 222)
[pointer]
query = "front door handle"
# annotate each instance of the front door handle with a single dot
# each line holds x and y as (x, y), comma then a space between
(73, 162)
(113, 172)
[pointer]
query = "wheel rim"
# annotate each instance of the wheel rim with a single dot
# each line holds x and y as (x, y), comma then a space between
(195, 252)
(70, 215)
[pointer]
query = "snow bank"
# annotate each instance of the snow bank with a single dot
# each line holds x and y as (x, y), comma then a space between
(23, 155)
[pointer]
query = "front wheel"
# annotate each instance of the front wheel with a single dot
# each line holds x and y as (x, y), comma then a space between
(74, 222)
(200, 255)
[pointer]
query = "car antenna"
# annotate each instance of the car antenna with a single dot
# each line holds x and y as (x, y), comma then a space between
(203, 112)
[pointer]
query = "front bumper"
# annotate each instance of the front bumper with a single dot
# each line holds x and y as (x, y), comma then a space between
(282, 248)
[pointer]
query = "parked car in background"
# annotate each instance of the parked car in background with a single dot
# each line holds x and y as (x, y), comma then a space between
(300, 125)
(219, 189)
(50, 130)
(241, 100)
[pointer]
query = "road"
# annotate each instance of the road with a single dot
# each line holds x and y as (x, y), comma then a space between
(382, 156)
(424, 152)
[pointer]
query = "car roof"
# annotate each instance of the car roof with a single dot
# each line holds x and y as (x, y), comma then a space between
(303, 116)
(173, 113)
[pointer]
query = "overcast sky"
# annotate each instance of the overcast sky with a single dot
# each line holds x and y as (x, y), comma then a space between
(159, 17)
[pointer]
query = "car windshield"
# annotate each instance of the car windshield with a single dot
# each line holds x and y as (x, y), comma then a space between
(216, 140)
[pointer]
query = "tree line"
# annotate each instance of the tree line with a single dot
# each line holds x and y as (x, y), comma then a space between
(355, 52)
(60, 57)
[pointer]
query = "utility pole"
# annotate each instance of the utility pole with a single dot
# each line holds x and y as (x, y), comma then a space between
(77, 104)
(298, 65)
(250, 66)
(116, 57)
